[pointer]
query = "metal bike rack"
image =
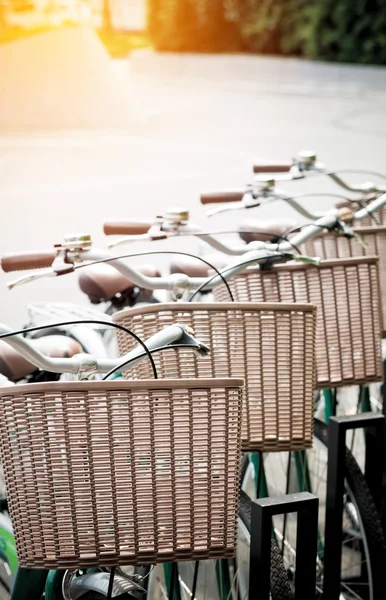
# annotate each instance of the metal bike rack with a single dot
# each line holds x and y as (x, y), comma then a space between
(383, 510)
(374, 425)
(306, 505)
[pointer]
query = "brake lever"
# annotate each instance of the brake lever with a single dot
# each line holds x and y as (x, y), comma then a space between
(190, 341)
(343, 229)
(27, 278)
(309, 260)
(293, 174)
(154, 234)
(60, 266)
(282, 257)
(227, 207)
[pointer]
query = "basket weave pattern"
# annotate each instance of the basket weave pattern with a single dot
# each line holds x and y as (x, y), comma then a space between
(111, 473)
(346, 293)
(330, 245)
(271, 346)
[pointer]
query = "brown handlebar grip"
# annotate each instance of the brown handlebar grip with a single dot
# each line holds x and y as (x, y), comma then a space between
(23, 261)
(344, 204)
(278, 167)
(126, 227)
(221, 197)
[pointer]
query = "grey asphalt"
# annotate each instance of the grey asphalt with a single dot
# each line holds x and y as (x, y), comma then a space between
(198, 123)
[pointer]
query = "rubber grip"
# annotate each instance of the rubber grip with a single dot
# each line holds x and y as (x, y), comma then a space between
(126, 227)
(23, 261)
(344, 204)
(274, 167)
(222, 197)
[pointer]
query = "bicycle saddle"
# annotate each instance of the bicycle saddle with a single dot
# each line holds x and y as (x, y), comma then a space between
(194, 267)
(14, 367)
(254, 230)
(102, 282)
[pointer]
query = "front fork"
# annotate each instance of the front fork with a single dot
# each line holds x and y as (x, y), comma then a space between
(29, 584)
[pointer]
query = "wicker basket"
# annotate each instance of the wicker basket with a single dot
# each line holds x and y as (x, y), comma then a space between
(271, 346)
(111, 473)
(346, 292)
(330, 245)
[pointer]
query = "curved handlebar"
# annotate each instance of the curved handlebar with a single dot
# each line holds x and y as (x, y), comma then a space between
(370, 208)
(305, 164)
(178, 281)
(118, 227)
(84, 363)
(22, 261)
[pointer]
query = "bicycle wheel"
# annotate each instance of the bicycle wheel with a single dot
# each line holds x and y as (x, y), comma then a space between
(280, 584)
(226, 579)
(209, 582)
(363, 549)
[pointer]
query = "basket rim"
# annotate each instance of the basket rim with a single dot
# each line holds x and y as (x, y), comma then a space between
(330, 262)
(121, 384)
(219, 306)
(360, 229)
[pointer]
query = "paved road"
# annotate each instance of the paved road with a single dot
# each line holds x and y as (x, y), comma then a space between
(199, 123)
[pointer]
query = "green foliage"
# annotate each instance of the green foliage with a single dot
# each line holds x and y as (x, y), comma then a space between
(341, 30)
(194, 25)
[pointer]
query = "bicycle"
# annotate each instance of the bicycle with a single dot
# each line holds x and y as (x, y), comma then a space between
(80, 365)
(305, 164)
(102, 285)
(330, 405)
(375, 548)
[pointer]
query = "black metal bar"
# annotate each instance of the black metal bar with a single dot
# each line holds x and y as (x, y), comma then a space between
(306, 550)
(306, 505)
(383, 513)
(260, 552)
(374, 423)
(195, 577)
(111, 583)
(173, 580)
(287, 487)
(375, 459)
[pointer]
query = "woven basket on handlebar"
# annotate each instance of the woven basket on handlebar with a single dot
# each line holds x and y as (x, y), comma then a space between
(272, 346)
(111, 473)
(331, 245)
(346, 293)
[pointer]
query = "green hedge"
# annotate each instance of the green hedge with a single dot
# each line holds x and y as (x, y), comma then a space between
(341, 30)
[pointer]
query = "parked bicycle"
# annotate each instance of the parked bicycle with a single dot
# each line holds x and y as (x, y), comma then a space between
(269, 253)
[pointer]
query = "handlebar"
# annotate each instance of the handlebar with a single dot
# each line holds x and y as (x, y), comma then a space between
(23, 261)
(305, 164)
(85, 365)
(267, 192)
(118, 227)
(220, 197)
(272, 167)
(180, 282)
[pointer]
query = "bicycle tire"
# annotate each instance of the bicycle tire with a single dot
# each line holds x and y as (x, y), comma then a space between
(369, 516)
(279, 582)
